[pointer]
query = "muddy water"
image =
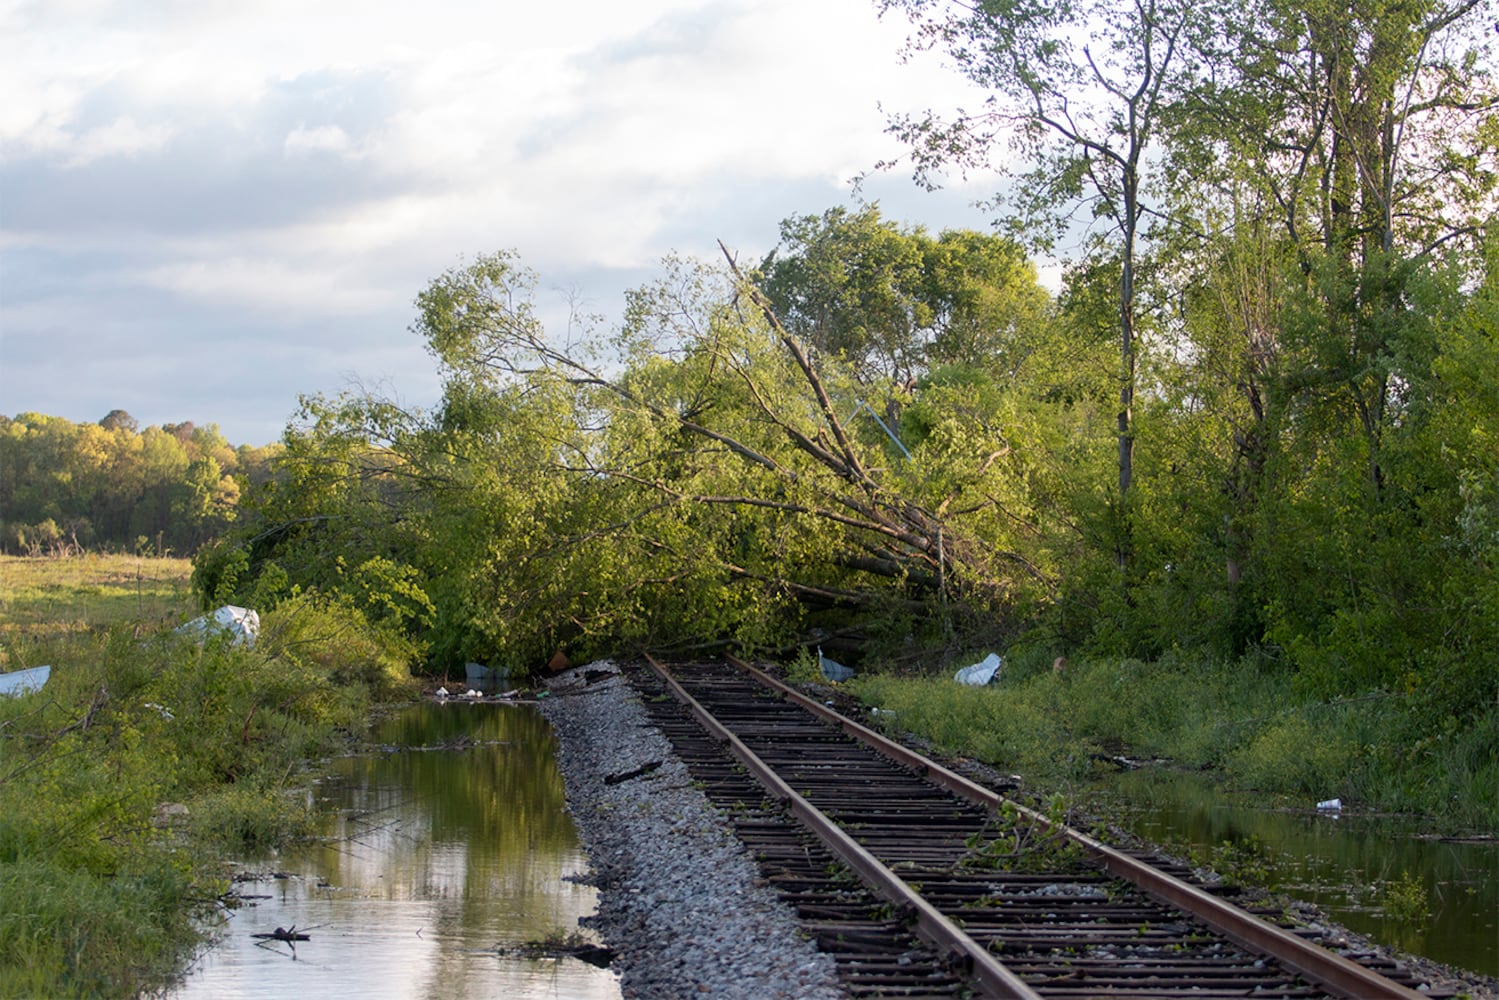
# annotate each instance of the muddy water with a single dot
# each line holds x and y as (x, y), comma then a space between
(441, 851)
(1360, 869)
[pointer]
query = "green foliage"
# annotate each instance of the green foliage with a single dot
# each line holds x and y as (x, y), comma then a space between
(1405, 899)
(1245, 719)
(329, 641)
(109, 485)
(895, 301)
(71, 933)
(982, 723)
(244, 821)
(146, 758)
(805, 668)
(685, 498)
(218, 570)
(1295, 754)
(1017, 843)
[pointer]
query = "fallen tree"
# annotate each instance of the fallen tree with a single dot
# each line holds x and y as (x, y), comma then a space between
(700, 475)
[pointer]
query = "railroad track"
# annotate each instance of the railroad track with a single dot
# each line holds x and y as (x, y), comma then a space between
(920, 882)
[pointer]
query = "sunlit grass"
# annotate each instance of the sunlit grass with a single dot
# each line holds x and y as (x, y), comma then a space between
(43, 598)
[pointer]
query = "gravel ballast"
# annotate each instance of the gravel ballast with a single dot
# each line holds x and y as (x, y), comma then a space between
(680, 900)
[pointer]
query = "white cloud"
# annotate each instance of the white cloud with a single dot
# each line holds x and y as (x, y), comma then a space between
(123, 137)
(322, 139)
(293, 163)
(275, 285)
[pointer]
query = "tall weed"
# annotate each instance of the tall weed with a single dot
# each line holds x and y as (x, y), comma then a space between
(1247, 719)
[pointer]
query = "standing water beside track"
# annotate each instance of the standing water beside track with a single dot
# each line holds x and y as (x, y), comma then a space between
(678, 896)
(1377, 875)
(443, 849)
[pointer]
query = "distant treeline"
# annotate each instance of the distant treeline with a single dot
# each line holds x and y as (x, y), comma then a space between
(112, 485)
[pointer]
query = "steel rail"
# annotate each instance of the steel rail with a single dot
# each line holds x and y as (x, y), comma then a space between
(1327, 969)
(928, 922)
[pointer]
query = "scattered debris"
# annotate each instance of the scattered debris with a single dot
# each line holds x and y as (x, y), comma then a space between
(1117, 760)
(573, 945)
(832, 669)
(982, 673)
(21, 682)
(442, 692)
(1330, 805)
(641, 771)
(241, 625)
(591, 676)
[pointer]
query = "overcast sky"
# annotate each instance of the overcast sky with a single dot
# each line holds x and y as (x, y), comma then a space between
(209, 207)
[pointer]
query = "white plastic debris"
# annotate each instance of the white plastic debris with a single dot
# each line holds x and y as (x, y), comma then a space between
(442, 692)
(1330, 805)
(241, 625)
(981, 673)
(832, 669)
(19, 682)
(162, 710)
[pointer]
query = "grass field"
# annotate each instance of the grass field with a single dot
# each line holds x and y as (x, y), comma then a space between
(45, 598)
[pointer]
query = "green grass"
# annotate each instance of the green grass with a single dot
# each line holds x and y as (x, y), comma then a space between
(1245, 721)
(148, 758)
(44, 597)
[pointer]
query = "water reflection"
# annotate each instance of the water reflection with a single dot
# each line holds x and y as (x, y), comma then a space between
(449, 843)
(1345, 864)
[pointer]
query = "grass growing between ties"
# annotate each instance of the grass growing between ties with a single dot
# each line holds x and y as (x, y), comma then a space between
(144, 761)
(1246, 720)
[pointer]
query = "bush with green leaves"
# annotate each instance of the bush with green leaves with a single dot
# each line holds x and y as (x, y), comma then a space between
(145, 760)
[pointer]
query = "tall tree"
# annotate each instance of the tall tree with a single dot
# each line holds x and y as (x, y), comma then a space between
(849, 284)
(895, 301)
(1374, 126)
(1337, 163)
(1079, 91)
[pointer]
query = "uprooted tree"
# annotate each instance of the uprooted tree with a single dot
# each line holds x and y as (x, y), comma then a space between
(695, 477)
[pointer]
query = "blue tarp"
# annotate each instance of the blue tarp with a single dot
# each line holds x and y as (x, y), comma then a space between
(22, 681)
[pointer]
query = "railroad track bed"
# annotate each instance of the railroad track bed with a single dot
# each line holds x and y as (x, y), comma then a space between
(1005, 904)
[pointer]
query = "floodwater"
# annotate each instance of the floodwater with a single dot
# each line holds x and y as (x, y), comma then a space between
(1359, 869)
(443, 850)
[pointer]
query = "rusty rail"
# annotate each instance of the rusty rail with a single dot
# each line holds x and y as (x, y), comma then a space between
(1330, 971)
(929, 923)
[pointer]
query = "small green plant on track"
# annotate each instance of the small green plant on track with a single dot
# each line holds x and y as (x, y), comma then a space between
(804, 669)
(1014, 842)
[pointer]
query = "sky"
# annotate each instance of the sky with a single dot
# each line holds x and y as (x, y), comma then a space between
(209, 208)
